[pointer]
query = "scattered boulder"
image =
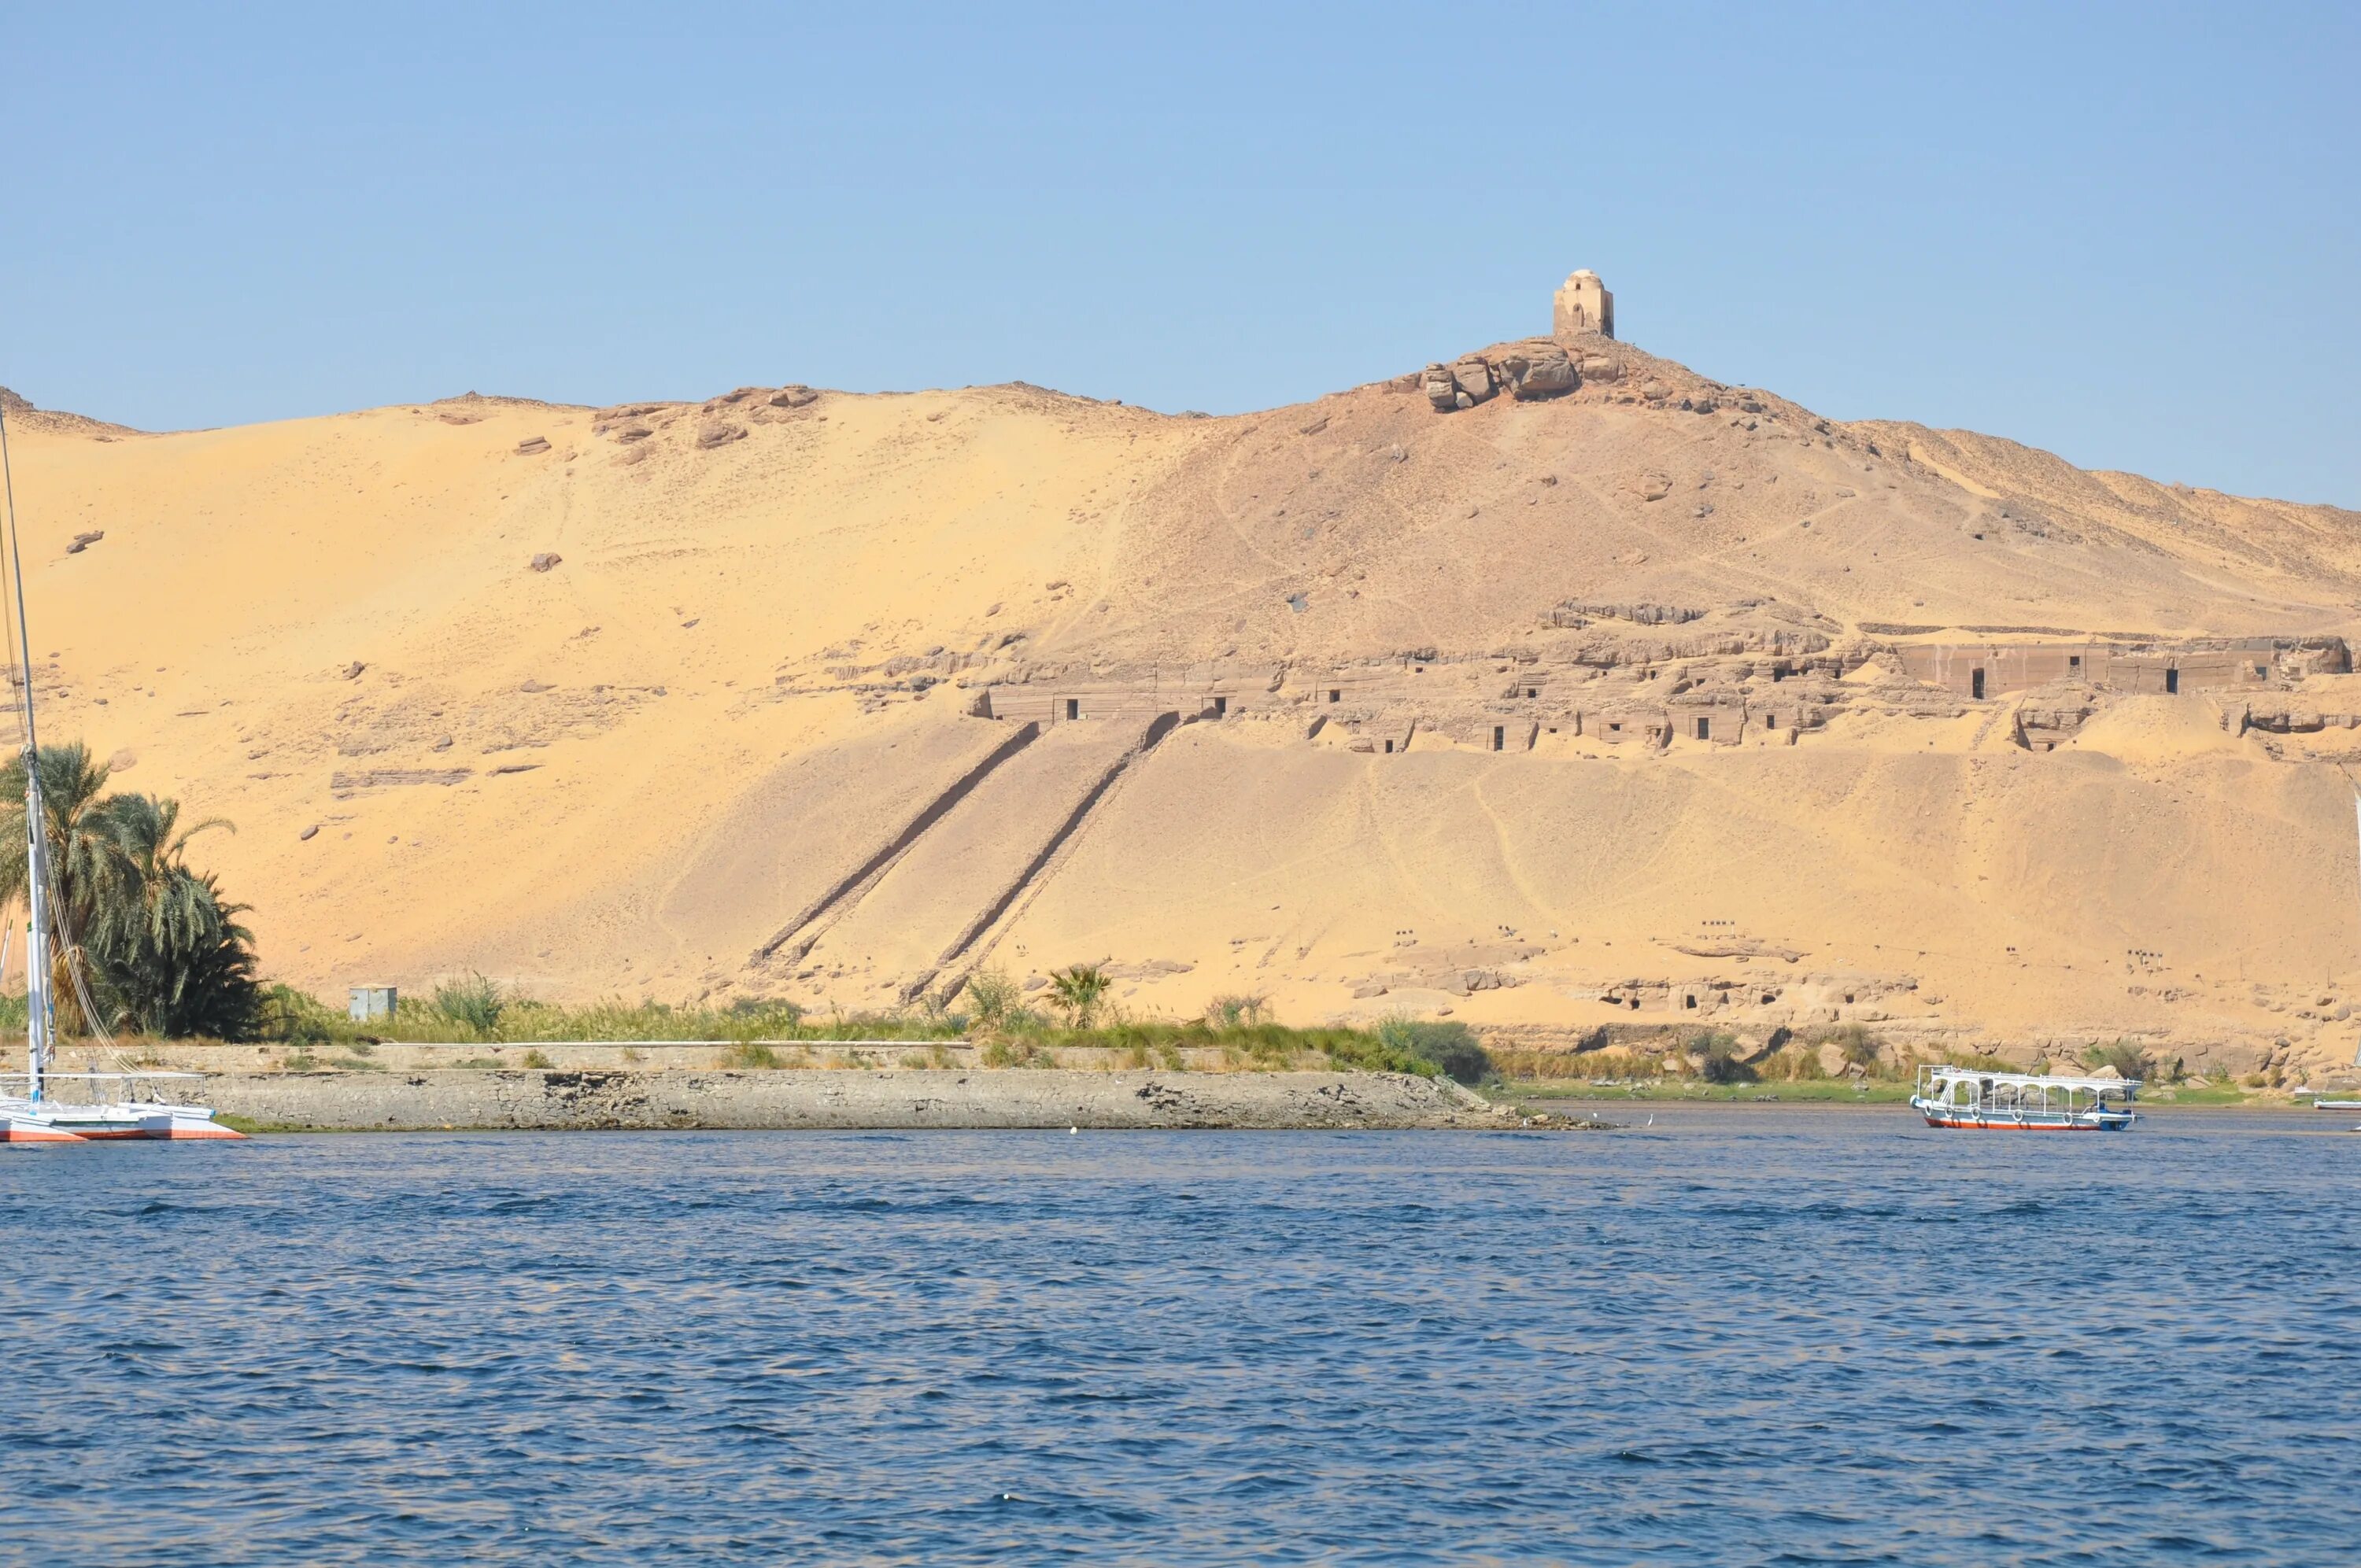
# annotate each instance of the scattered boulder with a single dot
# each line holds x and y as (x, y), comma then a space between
(123, 759)
(1474, 378)
(1440, 389)
(308, 834)
(533, 446)
(1539, 370)
(1601, 369)
(1147, 969)
(352, 671)
(82, 542)
(1653, 485)
(1313, 427)
(545, 560)
(793, 397)
(720, 434)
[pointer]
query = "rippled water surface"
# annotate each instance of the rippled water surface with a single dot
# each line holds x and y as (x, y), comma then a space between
(1751, 1335)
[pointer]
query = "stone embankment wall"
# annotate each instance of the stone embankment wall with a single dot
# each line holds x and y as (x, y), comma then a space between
(1012, 1098)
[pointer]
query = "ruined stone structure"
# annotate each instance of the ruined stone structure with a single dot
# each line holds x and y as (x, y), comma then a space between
(1584, 305)
(1977, 670)
(1656, 675)
(1538, 367)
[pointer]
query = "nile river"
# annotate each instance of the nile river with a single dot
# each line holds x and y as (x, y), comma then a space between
(1744, 1335)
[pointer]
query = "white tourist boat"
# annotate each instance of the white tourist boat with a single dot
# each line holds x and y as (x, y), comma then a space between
(2023, 1101)
(110, 1104)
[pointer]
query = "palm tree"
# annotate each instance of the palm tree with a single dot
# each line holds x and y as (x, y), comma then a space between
(1077, 991)
(167, 943)
(156, 946)
(81, 862)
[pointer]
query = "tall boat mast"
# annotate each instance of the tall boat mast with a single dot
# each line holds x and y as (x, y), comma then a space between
(40, 1018)
(36, 1118)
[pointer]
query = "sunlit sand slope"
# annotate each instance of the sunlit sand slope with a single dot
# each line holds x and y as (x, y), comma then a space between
(770, 695)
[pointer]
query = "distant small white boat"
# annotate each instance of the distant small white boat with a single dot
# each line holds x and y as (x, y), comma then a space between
(1978, 1100)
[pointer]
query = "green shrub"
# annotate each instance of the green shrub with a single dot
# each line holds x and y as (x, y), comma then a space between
(473, 1002)
(1794, 1062)
(2122, 1056)
(751, 1054)
(1357, 1052)
(1718, 1060)
(1858, 1047)
(536, 1059)
(994, 995)
(1237, 1012)
(1450, 1046)
(293, 1016)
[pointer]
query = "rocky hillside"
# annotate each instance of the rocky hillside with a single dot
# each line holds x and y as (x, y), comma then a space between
(1556, 686)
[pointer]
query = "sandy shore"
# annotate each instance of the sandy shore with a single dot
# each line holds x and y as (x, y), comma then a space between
(556, 1099)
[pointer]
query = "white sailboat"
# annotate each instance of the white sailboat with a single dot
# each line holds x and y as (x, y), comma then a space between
(110, 1104)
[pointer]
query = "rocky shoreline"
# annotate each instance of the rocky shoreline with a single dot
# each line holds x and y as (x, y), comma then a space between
(875, 1099)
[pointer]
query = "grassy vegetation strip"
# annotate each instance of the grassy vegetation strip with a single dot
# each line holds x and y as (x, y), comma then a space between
(1237, 1031)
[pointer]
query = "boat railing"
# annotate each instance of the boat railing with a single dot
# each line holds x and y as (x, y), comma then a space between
(1935, 1081)
(1992, 1112)
(85, 1088)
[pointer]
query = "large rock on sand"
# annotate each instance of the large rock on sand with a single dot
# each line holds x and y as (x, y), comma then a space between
(1537, 370)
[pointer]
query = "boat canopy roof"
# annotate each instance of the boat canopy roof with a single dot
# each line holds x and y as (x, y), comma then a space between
(1944, 1072)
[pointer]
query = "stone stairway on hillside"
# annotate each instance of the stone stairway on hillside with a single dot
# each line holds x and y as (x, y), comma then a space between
(955, 880)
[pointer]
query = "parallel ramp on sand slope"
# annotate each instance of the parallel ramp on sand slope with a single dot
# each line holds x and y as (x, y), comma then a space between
(811, 826)
(971, 864)
(840, 898)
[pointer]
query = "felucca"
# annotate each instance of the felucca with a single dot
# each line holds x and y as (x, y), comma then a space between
(113, 1104)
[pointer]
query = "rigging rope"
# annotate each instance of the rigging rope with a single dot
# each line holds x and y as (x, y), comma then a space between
(19, 662)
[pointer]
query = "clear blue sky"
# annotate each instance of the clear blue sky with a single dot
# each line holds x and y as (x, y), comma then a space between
(2126, 232)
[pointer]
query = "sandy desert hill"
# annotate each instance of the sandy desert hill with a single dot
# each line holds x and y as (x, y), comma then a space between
(1615, 695)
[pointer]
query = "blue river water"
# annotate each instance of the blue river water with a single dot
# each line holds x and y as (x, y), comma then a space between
(1750, 1335)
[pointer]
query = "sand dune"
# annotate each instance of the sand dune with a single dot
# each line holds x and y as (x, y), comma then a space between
(786, 630)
